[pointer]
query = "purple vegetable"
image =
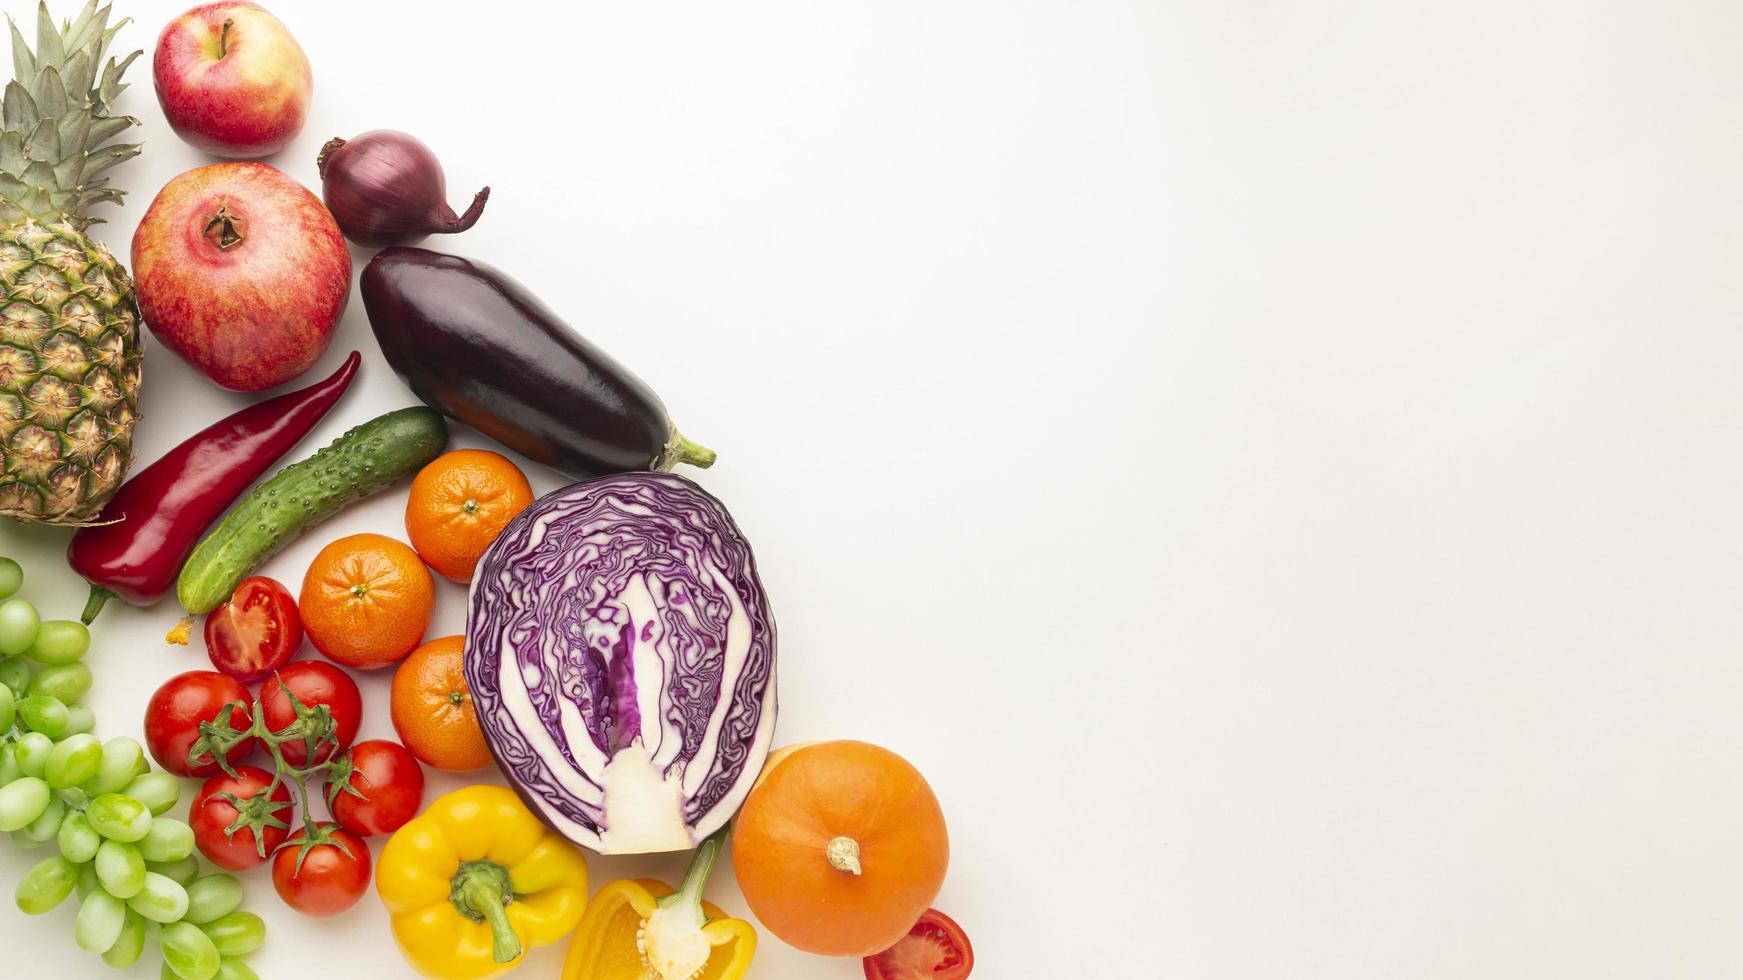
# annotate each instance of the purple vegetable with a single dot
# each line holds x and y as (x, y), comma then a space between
(621, 657)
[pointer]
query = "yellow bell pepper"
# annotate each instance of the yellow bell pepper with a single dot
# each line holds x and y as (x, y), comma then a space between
(476, 880)
(640, 929)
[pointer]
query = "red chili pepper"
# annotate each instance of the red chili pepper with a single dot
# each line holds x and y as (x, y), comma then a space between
(147, 529)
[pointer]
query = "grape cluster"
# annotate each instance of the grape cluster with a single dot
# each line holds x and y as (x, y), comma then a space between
(100, 803)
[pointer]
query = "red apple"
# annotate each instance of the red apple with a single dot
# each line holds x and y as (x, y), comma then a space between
(232, 80)
(242, 272)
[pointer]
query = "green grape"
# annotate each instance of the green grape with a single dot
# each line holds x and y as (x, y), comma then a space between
(80, 719)
(78, 842)
(167, 840)
(14, 675)
(129, 944)
(18, 621)
(213, 896)
(8, 709)
(48, 822)
(118, 817)
(236, 934)
(9, 768)
(115, 771)
(188, 951)
(22, 801)
(157, 790)
(181, 872)
(66, 683)
(33, 752)
(46, 885)
(161, 900)
(59, 641)
(235, 970)
(44, 713)
(120, 869)
(11, 578)
(73, 761)
(99, 921)
(22, 842)
(87, 880)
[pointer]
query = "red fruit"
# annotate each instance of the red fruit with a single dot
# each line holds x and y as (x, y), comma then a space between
(935, 949)
(391, 783)
(213, 817)
(175, 712)
(232, 80)
(242, 272)
(313, 682)
(256, 632)
(331, 876)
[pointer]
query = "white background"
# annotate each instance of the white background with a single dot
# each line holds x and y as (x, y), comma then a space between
(1272, 466)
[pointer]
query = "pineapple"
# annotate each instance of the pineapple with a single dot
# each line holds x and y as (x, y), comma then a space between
(69, 329)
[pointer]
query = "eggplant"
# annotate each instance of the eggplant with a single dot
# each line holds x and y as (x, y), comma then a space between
(480, 348)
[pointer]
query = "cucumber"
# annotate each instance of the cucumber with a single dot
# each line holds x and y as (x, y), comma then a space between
(366, 460)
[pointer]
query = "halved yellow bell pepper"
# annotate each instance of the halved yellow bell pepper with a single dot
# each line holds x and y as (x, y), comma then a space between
(476, 880)
(641, 929)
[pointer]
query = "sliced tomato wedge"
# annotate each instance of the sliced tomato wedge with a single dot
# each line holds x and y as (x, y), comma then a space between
(935, 949)
(256, 632)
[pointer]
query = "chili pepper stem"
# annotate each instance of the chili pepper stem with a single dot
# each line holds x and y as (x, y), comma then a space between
(682, 450)
(94, 604)
(481, 889)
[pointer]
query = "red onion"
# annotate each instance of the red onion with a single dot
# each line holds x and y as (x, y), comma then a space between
(385, 187)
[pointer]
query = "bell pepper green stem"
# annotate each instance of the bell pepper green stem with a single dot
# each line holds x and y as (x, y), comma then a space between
(689, 893)
(481, 890)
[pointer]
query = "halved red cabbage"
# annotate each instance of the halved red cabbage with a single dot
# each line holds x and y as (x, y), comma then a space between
(621, 657)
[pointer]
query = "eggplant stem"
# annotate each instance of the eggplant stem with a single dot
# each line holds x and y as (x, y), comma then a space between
(682, 450)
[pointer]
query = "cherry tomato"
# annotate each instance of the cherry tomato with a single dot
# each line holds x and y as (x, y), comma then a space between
(174, 714)
(212, 816)
(329, 881)
(256, 632)
(313, 682)
(392, 785)
(935, 949)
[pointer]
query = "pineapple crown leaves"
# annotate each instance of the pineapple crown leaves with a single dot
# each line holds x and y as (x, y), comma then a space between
(55, 143)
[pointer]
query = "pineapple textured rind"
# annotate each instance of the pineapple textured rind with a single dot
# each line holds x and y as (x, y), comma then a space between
(69, 327)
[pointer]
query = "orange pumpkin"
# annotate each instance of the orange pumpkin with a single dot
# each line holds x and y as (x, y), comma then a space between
(840, 847)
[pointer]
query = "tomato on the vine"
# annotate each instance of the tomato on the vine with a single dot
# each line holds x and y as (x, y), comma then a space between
(387, 788)
(212, 815)
(175, 712)
(256, 632)
(329, 880)
(313, 682)
(936, 948)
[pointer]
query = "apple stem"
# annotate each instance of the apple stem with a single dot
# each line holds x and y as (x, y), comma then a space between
(224, 38)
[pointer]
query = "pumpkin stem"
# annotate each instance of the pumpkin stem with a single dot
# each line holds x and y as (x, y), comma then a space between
(843, 854)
